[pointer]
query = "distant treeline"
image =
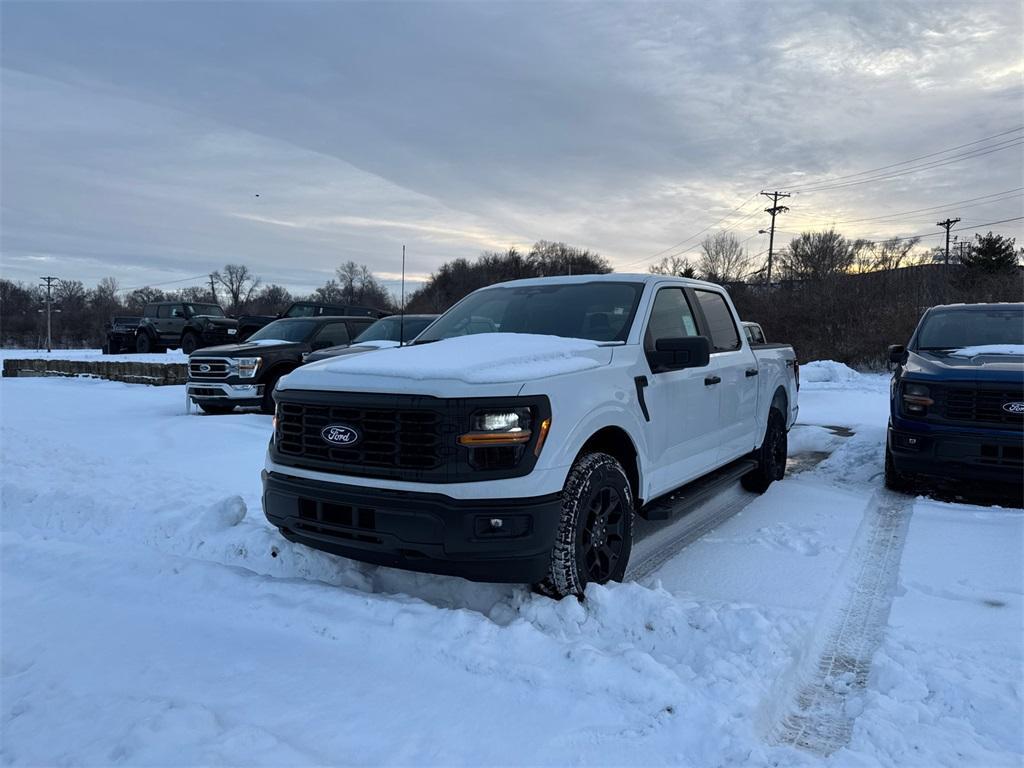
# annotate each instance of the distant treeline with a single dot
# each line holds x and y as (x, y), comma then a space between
(830, 297)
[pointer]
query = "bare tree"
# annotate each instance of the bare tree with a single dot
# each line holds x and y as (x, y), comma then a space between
(819, 255)
(887, 255)
(239, 282)
(675, 265)
(723, 259)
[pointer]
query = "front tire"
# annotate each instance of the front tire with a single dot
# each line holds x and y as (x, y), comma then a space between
(894, 479)
(771, 456)
(189, 343)
(144, 344)
(267, 404)
(595, 532)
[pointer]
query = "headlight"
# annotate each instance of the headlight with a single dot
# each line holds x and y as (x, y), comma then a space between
(511, 420)
(499, 426)
(247, 366)
(916, 399)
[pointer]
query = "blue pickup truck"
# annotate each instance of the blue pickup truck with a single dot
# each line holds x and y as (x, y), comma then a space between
(957, 398)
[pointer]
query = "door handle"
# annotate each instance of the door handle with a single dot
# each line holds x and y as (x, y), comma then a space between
(710, 380)
(752, 372)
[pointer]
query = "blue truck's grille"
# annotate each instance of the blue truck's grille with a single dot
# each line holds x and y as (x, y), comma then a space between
(977, 405)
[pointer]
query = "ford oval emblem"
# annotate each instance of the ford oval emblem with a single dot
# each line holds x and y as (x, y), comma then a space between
(204, 368)
(1017, 407)
(339, 434)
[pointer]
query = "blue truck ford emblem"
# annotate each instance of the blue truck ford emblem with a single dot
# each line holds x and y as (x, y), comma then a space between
(204, 368)
(339, 434)
(1017, 407)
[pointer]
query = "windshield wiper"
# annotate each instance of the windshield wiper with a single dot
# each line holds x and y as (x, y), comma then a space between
(936, 349)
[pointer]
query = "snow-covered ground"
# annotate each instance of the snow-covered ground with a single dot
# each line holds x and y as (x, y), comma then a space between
(150, 616)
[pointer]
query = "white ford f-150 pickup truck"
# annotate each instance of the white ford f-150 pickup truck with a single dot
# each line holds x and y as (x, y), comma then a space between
(516, 438)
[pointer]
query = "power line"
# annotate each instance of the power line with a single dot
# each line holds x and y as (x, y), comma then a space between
(964, 228)
(914, 169)
(911, 160)
(166, 282)
(959, 204)
(695, 234)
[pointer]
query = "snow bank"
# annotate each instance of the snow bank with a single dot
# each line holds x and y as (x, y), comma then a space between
(990, 349)
(171, 356)
(490, 358)
(827, 371)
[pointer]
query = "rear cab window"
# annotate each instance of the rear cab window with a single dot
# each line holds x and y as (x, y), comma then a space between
(719, 320)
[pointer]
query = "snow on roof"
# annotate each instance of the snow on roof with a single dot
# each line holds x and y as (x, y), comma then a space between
(611, 277)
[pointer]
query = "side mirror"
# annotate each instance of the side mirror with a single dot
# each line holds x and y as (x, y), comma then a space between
(897, 354)
(677, 354)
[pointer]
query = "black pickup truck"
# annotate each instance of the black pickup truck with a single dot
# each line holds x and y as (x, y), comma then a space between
(249, 324)
(957, 398)
(224, 377)
(121, 334)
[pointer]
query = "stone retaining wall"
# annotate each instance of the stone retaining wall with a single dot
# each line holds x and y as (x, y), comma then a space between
(158, 374)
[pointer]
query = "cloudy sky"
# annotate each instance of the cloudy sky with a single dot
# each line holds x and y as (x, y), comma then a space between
(155, 142)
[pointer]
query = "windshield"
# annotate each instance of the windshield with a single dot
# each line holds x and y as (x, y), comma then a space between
(389, 328)
(285, 330)
(599, 311)
(211, 310)
(303, 310)
(953, 329)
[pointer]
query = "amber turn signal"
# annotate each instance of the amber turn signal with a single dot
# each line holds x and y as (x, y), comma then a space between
(485, 439)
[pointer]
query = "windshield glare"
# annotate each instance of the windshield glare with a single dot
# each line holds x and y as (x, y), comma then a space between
(599, 311)
(389, 328)
(211, 310)
(285, 330)
(954, 329)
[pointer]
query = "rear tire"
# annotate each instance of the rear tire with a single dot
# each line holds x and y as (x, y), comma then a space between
(215, 410)
(771, 456)
(595, 533)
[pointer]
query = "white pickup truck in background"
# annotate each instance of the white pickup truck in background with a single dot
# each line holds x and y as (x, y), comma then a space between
(518, 436)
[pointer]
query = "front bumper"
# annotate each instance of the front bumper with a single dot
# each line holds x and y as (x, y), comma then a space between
(957, 455)
(427, 532)
(219, 392)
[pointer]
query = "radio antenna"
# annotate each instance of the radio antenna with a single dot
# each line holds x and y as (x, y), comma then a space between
(401, 321)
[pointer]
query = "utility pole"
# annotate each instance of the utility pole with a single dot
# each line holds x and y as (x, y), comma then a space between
(946, 225)
(213, 291)
(774, 211)
(48, 282)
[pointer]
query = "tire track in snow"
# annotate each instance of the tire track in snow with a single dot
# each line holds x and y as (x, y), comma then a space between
(815, 712)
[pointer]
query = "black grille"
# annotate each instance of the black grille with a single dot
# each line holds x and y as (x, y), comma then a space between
(979, 405)
(401, 437)
(218, 368)
(389, 438)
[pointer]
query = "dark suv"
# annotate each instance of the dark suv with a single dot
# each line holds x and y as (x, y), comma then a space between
(185, 324)
(221, 378)
(957, 398)
(121, 334)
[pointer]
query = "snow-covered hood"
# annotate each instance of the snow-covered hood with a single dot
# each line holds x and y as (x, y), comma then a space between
(985, 363)
(454, 366)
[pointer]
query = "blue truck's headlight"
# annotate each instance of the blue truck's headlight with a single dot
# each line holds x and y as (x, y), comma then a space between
(916, 399)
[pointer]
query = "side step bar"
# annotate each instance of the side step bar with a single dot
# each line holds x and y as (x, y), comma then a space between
(696, 493)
